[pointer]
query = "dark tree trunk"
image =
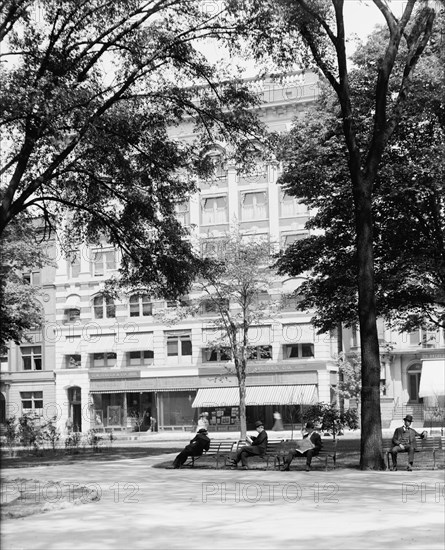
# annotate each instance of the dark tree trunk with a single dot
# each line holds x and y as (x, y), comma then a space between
(371, 455)
(242, 407)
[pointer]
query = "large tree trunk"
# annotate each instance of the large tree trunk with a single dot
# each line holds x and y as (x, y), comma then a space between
(371, 454)
(242, 407)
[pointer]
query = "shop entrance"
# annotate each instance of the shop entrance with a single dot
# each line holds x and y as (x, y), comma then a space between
(75, 407)
(2, 409)
(414, 374)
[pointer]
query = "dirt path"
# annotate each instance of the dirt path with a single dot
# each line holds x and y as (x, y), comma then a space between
(131, 505)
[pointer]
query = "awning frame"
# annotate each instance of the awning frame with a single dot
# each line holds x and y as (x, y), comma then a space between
(302, 394)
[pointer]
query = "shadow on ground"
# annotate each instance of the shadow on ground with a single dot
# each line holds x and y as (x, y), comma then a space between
(350, 461)
(25, 460)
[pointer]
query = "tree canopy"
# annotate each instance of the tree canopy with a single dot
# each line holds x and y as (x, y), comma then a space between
(24, 250)
(408, 206)
(90, 93)
(314, 32)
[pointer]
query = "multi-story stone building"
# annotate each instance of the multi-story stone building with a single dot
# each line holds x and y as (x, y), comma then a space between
(27, 371)
(116, 360)
(108, 363)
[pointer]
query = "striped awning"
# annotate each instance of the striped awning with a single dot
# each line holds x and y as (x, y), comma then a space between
(303, 394)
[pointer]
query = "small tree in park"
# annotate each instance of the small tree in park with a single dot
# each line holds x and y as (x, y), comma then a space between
(236, 288)
(350, 384)
(232, 290)
(330, 419)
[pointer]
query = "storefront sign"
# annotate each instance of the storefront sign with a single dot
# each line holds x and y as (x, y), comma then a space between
(115, 374)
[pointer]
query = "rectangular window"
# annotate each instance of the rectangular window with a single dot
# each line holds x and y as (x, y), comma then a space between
(259, 353)
(290, 238)
(107, 360)
(32, 278)
(140, 305)
(183, 213)
(214, 210)
(104, 261)
(3, 363)
(307, 350)
(73, 362)
(179, 345)
(212, 307)
(74, 265)
(291, 207)
(104, 307)
(32, 402)
(298, 351)
(254, 206)
(145, 357)
(216, 355)
(289, 302)
(423, 338)
(32, 357)
(182, 302)
(72, 315)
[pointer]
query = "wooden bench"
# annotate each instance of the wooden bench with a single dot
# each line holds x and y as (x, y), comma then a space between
(430, 445)
(273, 452)
(274, 448)
(219, 450)
(329, 450)
(440, 449)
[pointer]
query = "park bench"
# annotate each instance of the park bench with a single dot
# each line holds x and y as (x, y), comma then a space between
(429, 446)
(440, 449)
(274, 447)
(219, 450)
(274, 450)
(329, 450)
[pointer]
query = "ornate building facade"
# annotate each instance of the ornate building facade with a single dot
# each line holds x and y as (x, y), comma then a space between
(114, 364)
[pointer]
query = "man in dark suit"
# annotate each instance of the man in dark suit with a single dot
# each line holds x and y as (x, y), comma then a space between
(257, 447)
(404, 441)
(315, 440)
(196, 447)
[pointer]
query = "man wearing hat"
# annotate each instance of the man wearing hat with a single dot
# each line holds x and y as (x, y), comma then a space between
(315, 440)
(257, 446)
(196, 447)
(404, 441)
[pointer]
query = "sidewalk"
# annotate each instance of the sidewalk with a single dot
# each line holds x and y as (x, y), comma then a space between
(141, 507)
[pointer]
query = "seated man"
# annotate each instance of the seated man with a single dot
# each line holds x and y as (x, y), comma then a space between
(404, 441)
(196, 447)
(257, 447)
(315, 440)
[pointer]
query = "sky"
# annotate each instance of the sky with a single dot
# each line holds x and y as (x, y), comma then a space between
(360, 19)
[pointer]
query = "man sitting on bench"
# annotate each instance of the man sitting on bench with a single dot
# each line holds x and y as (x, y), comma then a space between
(404, 441)
(257, 447)
(312, 440)
(196, 447)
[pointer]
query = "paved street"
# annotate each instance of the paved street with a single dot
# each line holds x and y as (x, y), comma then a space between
(138, 506)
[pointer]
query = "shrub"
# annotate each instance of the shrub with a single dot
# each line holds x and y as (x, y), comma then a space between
(51, 433)
(330, 419)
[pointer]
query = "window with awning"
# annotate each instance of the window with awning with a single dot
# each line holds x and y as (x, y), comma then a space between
(303, 394)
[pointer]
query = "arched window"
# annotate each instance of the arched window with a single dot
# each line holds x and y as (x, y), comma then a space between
(104, 307)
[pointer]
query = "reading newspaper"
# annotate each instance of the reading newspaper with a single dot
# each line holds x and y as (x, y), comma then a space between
(302, 445)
